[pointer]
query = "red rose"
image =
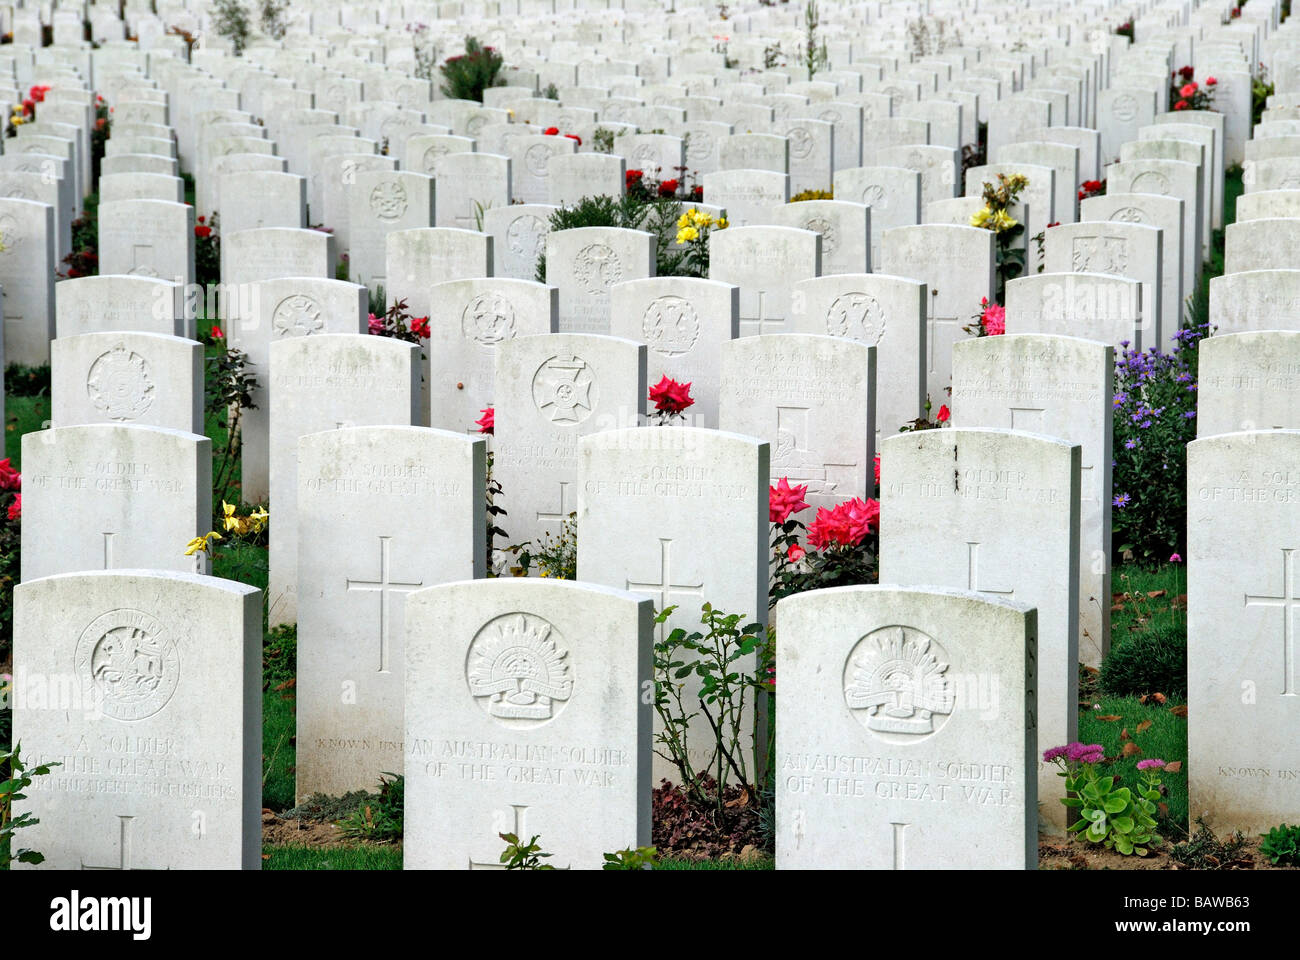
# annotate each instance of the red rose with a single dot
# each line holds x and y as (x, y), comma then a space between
(420, 327)
(668, 188)
(697, 193)
(10, 479)
(943, 414)
(783, 500)
(202, 232)
(550, 131)
(1180, 105)
(487, 422)
(216, 332)
(16, 508)
(670, 396)
(1211, 81)
(795, 553)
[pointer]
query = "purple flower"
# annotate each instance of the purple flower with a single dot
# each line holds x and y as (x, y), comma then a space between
(1149, 763)
(1053, 753)
(1130, 444)
(1175, 558)
(1189, 414)
(1121, 501)
(1082, 751)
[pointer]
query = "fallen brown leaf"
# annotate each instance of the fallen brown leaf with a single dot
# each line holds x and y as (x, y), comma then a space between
(1110, 717)
(1179, 711)
(1163, 808)
(1131, 750)
(1154, 594)
(1143, 727)
(1174, 766)
(1117, 608)
(1123, 734)
(1158, 697)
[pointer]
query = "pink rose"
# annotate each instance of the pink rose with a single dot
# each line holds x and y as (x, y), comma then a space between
(783, 500)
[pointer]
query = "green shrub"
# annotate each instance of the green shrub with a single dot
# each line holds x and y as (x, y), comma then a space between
(378, 820)
(279, 656)
(1151, 661)
(469, 74)
(1204, 851)
(1282, 846)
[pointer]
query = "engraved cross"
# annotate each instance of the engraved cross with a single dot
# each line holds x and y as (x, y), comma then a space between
(519, 830)
(384, 587)
(665, 588)
(566, 508)
(123, 847)
(1289, 603)
(973, 572)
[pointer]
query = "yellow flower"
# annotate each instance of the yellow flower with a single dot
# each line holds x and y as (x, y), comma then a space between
(18, 121)
(258, 518)
(981, 217)
(686, 234)
(1003, 222)
(202, 544)
(684, 220)
(231, 521)
(700, 218)
(721, 224)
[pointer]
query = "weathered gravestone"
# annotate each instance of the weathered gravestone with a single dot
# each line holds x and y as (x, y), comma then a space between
(684, 322)
(524, 715)
(1243, 591)
(584, 263)
(390, 492)
(550, 391)
(121, 497)
(812, 399)
(518, 238)
(470, 319)
(27, 265)
(1095, 306)
(1061, 387)
(956, 264)
(326, 382)
(282, 309)
(160, 738)
(1248, 381)
(889, 756)
(146, 379)
(655, 502)
(997, 512)
(765, 262)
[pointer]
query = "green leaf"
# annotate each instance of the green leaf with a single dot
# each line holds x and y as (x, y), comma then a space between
(1123, 845)
(1115, 804)
(1123, 824)
(1072, 801)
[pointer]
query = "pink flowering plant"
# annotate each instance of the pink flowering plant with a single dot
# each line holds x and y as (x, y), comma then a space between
(839, 547)
(1119, 818)
(11, 508)
(398, 324)
(991, 321)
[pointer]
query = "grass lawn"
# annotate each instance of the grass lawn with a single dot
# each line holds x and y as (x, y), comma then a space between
(23, 415)
(370, 857)
(278, 750)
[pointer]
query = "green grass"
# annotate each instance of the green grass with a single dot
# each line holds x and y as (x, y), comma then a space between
(23, 415)
(1165, 739)
(1142, 610)
(279, 754)
(368, 857)
(764, 863)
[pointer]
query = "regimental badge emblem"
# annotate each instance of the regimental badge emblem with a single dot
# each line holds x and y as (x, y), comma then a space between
(10, 235)
(699, 145)
(857, 316)
(489, 318)
(1099, 255)
(896, 684)
(1150, 181)
(1125, 107)
(388, 200)
(297, 316)
(537, 159)
(873, 195)
(645, 158)
(1128, 215)
(524, 236)
(129, 662)
(564, 390)
(670, 326)
(597, 268)
(432, 155)
(517, 671)
(823, 225)
(475, 123)
(801, 143)
(119, 384)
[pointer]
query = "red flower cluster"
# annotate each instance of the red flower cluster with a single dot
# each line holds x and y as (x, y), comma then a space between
(487, 423)
(554, 131)
(201, 229)
(847, 525)
(1186, 73)
(877, 469)
(16, 508)
(944, 413)
(670, 396)
(783, 500)
(37, 93)
(1091, 188)
(668, 188)
(216, 333)
(420, 327)
(697, 194)
(10, 479)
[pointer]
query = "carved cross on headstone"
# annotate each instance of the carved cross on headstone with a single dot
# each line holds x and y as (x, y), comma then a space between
(384, 587)
(1289, 604)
